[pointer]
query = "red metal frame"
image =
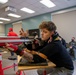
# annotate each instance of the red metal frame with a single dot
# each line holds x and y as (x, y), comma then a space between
(12, 66)
(20, 73)
(8, 67)
(10, 38)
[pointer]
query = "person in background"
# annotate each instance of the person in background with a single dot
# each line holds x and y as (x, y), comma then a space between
(72, 42)
(26, 34)
(12, 33)
(72, 47)
(54, 50)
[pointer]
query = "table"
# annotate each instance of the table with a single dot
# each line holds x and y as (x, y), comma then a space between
(22, 68)
(50, 64)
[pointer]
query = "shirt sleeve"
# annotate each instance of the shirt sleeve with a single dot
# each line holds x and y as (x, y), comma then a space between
(48, 50)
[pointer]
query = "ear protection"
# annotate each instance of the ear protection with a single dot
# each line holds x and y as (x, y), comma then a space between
(55, 35)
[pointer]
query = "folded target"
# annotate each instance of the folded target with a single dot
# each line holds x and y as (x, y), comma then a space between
(24, 62)
(42, 62)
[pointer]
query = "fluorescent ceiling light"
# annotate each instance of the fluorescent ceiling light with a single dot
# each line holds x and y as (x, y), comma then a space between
(14, 15)
(1, 22)
(27, 10)
(47, 3)
(5, 19)
(3, 1)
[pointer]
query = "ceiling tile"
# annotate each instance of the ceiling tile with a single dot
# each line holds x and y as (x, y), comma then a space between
(34, 5)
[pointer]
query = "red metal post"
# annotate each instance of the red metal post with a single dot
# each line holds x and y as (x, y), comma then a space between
(1, 70)
(20, 73)
(44, 73)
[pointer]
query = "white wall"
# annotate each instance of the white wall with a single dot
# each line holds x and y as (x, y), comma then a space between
(66, 24)
(2, 30)
(17, 27)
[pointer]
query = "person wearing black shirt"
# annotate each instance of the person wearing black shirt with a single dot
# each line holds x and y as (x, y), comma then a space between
(53, 49)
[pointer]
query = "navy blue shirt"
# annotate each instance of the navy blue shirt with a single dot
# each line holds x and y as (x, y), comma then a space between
(56, 53)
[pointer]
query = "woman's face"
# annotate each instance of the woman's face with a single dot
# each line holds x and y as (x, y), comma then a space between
(45, 34)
